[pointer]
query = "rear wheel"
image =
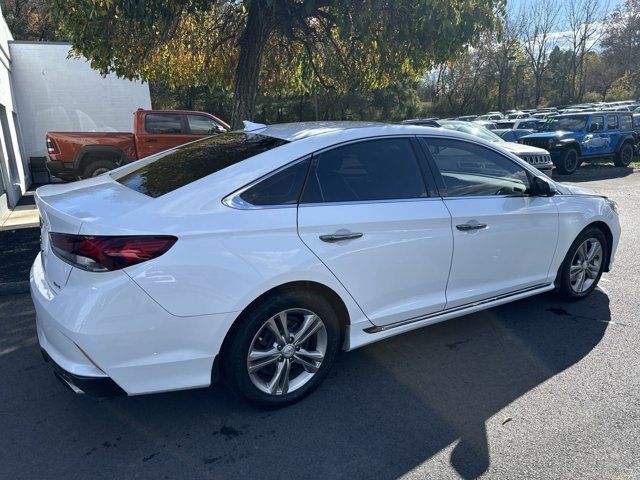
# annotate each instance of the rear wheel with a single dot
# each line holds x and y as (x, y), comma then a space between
(624, 156)
(282, 349)
(97, 167)
(568, 161)
(582, 268)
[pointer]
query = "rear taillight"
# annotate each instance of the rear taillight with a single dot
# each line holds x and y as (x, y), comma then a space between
(52, 147)
(102, 253)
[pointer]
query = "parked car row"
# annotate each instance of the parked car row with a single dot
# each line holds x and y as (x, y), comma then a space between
(534, 155)
(570, 134)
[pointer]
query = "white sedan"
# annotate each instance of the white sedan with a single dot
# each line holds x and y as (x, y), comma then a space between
(259, 254)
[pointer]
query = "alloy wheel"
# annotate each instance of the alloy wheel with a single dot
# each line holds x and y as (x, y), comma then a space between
(585, 265)
(287, 351)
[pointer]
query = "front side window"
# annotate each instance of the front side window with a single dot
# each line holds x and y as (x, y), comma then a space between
(179, 167)
(472, 170)
(384, 169)
(162, 123)
(597, 123)
(201, 125)
(612, 122)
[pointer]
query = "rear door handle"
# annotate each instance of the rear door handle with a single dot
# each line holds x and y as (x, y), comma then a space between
(149, 140)
(339, 236)
(465, 227)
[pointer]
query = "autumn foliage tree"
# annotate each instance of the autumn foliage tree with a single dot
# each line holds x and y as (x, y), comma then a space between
(284, 45)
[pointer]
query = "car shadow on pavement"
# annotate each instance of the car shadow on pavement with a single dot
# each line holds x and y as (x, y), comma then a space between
(590, 172)
(385, 409)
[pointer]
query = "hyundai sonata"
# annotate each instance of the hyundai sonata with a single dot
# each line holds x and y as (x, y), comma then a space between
(258, 254)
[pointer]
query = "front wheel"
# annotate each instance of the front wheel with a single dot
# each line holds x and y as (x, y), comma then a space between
(282, 349)
(624, 156)
(582, 268)
(568, 161)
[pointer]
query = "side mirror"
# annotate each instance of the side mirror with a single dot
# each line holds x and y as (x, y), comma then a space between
(542, 187)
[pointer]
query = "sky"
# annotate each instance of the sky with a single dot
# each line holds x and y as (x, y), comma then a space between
(516, 5)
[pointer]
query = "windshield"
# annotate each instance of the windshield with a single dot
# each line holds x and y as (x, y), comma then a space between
(179, 167)
(573, 123)
(471, 129)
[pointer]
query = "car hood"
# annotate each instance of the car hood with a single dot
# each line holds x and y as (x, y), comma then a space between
(553, 134)
(520, 149)
(569, 189)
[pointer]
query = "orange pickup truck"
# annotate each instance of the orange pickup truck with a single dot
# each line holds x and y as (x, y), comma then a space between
(74, 155)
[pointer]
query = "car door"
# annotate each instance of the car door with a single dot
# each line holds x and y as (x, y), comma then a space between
(596, 141)
(367, 214)
(162, 131)
(504, 238)
(613, 133)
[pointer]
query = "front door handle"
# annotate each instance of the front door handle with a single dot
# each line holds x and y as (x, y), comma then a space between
(150, 140)
(465, 227)
(339, 236)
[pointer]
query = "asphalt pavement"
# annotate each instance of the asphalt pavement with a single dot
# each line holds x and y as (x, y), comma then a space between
(536, 389)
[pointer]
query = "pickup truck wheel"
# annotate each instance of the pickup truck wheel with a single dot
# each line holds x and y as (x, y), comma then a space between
(98, 168)
(624, 156)
(568, 161)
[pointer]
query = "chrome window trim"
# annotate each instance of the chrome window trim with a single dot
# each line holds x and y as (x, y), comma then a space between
(233, 200)
(368, 202)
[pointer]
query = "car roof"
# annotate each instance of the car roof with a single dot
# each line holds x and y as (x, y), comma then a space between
(300, 130)
(292, 132)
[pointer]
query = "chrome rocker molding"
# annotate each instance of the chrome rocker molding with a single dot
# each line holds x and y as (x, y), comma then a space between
(383, 328)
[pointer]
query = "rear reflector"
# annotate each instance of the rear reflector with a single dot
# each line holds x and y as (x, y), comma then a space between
(106, 253)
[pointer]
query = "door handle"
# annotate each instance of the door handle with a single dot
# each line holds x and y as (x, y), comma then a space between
(465, 227)
(337, 237)
(149, 140)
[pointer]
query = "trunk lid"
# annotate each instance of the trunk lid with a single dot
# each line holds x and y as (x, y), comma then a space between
(66, 208)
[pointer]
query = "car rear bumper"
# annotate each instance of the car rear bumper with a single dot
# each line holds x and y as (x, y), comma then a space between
(61, 169)
(103, 333)
(96, 386)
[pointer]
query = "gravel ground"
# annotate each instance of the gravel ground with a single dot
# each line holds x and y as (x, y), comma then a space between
(534, 389)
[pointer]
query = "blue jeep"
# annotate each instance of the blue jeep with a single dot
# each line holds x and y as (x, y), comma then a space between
(575, 137)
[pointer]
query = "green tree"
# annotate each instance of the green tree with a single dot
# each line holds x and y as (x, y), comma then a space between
(284, 45)
(29, 20)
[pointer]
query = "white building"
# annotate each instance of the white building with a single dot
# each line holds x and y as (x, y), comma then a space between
(41, 90)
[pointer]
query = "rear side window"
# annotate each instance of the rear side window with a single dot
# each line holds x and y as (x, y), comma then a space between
(626, 122)
(158, 123)
(179, 167)
(612, 122)
(281, 188)
(385, 169)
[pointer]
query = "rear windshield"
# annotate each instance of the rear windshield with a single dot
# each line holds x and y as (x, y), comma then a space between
(192, 162)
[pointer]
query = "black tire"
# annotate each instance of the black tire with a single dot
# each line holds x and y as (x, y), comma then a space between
(97, 167)
(624, 157)
(565, 289)
(568, 161)
(234, 364)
